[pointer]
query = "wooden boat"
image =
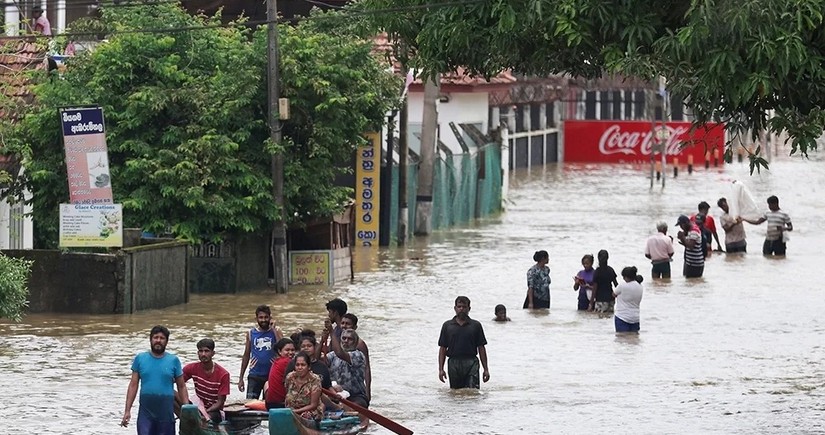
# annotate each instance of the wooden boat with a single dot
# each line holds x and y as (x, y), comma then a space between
(242, 421)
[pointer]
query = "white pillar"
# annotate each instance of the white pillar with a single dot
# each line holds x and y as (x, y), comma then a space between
(61, 17)
(12, 20)
(505, 164)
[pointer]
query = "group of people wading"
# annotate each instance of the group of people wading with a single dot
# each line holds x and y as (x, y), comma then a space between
(599, 290)
(287, 372)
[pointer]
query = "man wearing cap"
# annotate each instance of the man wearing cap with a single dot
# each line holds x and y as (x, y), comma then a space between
(41, 23)
(659, 250)
(691, 237)
(709, 224)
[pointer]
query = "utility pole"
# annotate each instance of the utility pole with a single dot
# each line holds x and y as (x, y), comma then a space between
(403, 156)
(278, 237)
(429, 126)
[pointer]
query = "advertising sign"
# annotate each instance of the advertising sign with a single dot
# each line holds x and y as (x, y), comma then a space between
(633, 141)
(367, 189)
(87, 158)
(310, 267)
(85, 225)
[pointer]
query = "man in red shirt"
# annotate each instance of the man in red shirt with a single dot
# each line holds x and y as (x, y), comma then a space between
(211, 381)
(710, 224)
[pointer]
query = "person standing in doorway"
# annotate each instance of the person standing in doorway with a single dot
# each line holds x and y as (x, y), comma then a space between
(461, 339)
(628, 300)
(538, 282)
(156, 373)
(259, 352)
(691, 237)
(604, 279)
(778, 223)
(41, 23)
(210, 379)
(659, 250)
(734, 229)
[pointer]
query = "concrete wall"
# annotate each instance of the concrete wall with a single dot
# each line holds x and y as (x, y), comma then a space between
(341, 264)
(231, 266)
(155, 276)
(133, 279)
(72, 282)
(252, 262)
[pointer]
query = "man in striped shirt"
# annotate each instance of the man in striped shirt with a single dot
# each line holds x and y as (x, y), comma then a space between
(778, 223)
(691, 238)
(211, 381)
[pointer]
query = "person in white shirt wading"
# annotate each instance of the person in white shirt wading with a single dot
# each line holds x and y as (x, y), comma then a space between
(659, 250)
(628, 298)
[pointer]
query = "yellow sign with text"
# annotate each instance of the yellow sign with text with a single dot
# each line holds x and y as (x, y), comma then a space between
(367, 190)
(310, 267)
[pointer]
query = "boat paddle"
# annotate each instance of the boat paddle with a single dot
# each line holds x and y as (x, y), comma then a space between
(372, 415)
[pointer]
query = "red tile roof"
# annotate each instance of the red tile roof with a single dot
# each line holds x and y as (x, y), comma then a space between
(17, 56)
(460, 78)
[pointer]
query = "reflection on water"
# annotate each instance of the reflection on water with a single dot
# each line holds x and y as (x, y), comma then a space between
(739, 351)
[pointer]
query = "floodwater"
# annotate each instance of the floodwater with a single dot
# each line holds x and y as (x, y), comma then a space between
(739, 351)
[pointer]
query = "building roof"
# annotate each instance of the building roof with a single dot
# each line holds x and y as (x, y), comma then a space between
(456, 80)
(17, 57)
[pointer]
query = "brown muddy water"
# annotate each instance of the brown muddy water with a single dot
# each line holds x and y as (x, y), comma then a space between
(739, 351)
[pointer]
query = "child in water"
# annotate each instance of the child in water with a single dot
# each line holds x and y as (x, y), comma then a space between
(501, 314)
(583, 282)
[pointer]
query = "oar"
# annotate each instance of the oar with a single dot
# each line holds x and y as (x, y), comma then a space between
(372, 415)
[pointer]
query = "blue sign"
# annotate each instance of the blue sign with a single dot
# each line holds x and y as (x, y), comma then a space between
(82, 120)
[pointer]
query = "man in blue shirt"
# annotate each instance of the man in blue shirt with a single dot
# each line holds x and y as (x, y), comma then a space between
(259, 352)
(155, 372)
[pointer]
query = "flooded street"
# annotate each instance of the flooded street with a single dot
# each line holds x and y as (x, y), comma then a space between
(739, 351)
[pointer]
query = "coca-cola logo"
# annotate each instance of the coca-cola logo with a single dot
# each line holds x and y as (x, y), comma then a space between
(616, 141)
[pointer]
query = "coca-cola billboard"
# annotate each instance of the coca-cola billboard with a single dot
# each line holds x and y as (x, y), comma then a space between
(633, 141)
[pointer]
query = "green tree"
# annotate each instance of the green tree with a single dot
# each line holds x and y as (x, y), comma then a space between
(731, 61)
(186, 122)
(14, 293)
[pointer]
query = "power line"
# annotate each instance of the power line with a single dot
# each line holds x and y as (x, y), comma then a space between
(347, 13)
(98, 4)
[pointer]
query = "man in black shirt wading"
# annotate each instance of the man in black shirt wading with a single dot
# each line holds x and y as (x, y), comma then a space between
(460, 339)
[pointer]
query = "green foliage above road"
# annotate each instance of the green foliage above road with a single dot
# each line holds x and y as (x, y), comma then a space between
(186, 122)
(733, 61)
(14, 273)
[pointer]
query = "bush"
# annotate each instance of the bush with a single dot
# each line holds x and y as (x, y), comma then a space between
(14, 293)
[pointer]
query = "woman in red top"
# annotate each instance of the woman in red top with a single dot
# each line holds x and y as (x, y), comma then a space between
(276, 391)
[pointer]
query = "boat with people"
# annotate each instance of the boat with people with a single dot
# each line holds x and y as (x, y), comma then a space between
(243, 420)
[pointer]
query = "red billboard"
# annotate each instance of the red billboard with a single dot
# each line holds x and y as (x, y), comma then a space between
(632, 141)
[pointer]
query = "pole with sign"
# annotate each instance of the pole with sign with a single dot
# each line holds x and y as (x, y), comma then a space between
(367, 191)
(87, 158)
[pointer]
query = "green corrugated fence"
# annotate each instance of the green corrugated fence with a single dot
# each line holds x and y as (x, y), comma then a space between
(465, 187)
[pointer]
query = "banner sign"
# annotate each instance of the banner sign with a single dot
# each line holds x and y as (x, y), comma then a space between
(83, 225)
(310, 267)
(633, 141)
(87, 158)
(367, 189)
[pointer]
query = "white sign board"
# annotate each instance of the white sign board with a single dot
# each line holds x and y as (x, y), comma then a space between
(84, 225)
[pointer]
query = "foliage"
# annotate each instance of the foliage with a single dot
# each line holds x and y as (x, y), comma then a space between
(186, 122)
(732, 61)
(14, 273)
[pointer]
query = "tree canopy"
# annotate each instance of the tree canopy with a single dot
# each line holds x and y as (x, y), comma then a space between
(754, 64)
(186, 121)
